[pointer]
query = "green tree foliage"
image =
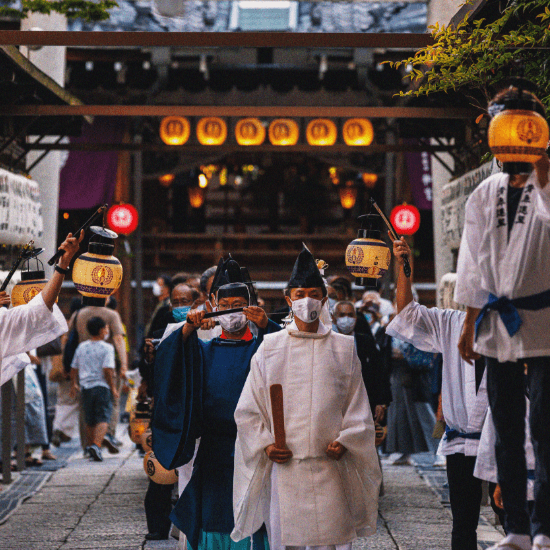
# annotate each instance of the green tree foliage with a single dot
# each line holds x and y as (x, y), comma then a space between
(477, 55)
(83, 9)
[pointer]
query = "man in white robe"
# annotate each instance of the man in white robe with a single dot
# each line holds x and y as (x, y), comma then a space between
(503, 278)
(322, 490)
(29, 326)
(463, 398)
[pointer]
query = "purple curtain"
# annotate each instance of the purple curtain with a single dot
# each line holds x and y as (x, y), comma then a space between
(88, 178)
(419, 167)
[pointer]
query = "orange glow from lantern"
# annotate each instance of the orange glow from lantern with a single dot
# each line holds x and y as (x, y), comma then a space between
(223, 176)
(369, 179)
(348, 196)
(211, 131)
(249, 131)
(283, 131)
(166, 179)
(203, 181)
(196, 197)
(321, 132)
(358, 131)
(174, 130)
(65, 215)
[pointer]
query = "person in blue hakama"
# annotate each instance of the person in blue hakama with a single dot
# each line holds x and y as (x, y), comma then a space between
(197, 386)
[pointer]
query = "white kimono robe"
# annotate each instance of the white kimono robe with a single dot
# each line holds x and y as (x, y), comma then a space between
(520, 267)
(437, 331)
(486, 463)
(311, 500)
(24, 328)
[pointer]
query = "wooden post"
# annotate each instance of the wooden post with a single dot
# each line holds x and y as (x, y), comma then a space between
(20, 420)
(6, 391)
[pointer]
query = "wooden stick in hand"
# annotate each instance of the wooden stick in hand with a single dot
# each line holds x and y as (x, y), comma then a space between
(277, 410)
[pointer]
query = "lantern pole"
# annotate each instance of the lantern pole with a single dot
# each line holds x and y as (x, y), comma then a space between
(138, 266)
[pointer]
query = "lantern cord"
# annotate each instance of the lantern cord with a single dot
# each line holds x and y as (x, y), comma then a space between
(25, 253)
(406, 265)
(99, 212)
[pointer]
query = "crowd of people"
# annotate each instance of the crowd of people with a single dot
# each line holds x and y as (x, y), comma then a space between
(276, 424)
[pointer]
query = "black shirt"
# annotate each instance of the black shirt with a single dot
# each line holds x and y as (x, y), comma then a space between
(514, 196)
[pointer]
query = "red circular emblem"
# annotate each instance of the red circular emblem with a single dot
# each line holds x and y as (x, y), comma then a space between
(122, 218)
(406, 219)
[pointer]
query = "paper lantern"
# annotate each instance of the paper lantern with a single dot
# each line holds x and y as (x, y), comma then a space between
(283, 131)
(380, 433)
(158, 473)
(97, 273)
(367, 257)
(405, 218)
(369, 179)
(358, 131)
(196, 196)
(211, 131)
(321, 131)
(138, 426)
(249, 131)
(174, 130)
(122, 218)
(348, 196)
(518, 135)
(166, 180)
(32, 281)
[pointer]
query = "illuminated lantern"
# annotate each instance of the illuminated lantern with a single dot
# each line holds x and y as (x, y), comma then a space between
(283, 131)
(147, 440)
(518, 135)
(358, 131)
(203, 181)
(166, 180)
(211, 131)
(369, 179)
(97, 273)
(32, 281)
(380, 433)
(249, 131)
(368, 257)
(405, 218)
(158, 473)
(140, 418)
(175, 130)
(122, 218)
(321, 131)
(196, 196)
(348, 196)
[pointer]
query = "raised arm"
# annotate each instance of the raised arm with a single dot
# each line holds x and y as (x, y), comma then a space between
(51, 291)
(403, 291)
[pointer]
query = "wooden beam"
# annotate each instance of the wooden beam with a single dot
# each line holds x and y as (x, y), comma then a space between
(234, 148)
(215, 39)
(237, 111)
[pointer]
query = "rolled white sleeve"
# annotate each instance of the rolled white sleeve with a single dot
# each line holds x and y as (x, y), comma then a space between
(542, 202)
(468, 289)
(27, 327)
(418, 326)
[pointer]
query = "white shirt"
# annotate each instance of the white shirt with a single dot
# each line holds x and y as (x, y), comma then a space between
(90, 358)
(437, 331)
(489, 263)
(24, 328)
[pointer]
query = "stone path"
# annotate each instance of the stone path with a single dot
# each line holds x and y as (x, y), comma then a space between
(91, 505)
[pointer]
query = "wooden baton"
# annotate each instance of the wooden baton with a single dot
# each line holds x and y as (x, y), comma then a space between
(278, 413)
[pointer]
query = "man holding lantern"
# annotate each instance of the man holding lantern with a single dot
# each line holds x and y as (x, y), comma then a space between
(40, 321)
(503, 279)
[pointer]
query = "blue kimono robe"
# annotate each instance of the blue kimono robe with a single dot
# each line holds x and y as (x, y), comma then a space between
(197, 387)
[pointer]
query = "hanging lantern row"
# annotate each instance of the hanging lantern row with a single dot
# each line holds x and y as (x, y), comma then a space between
(176, 130)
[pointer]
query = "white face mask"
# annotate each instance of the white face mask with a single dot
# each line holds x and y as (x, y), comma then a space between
(157, 290)
(307, 309)
(233, 322)
(345, 324)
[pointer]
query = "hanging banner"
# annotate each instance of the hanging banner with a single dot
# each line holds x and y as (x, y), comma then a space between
(20, 209)
(453, 202)
(419, 168)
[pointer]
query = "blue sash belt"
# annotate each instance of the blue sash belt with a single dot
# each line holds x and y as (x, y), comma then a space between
(531, 475)
(451, 434)
(508, 309)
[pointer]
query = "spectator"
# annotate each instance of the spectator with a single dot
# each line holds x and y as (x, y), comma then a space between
(93, 372)
(116, 337)
(161, 289)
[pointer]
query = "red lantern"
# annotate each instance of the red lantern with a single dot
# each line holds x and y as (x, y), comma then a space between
(122, 218)
(406, 219)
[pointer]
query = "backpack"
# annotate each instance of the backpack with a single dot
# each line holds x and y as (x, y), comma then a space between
(70, 347)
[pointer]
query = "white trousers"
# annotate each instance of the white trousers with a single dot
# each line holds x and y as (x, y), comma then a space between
(66, 410)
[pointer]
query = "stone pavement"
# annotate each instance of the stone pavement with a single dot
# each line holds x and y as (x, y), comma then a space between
(91, 505)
